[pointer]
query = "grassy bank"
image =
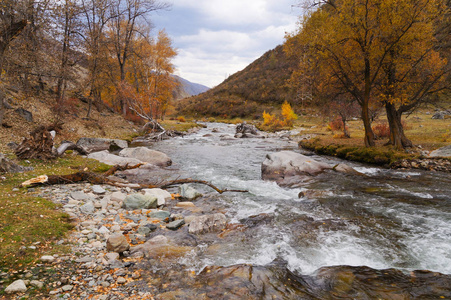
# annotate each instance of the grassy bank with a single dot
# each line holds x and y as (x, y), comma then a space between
(27, 220)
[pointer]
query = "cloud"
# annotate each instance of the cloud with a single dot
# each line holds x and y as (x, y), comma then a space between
(217, 38)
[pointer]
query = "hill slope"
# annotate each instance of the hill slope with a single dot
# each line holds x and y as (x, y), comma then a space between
(247, 93)
(188, 88)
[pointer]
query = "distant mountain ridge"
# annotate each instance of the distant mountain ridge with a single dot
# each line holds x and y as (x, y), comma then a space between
(188, 88)
(262, 85)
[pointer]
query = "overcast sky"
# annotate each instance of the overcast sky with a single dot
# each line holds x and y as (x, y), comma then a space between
(216, 38)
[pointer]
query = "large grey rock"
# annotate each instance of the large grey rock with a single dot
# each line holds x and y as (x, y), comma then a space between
(111, 159)
(147, 155)
(160, 214)
(99, 144)
(139, 201)
(288, 167)
(17, 286)
(441, 152)
(207, 223)
(174, 225)
(117, 243)
(8, 166)
(160, 194)
(188, 192)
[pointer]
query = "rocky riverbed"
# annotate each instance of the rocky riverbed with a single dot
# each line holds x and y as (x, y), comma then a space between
(157, 244)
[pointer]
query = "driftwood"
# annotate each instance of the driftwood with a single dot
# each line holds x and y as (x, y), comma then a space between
(95, 178)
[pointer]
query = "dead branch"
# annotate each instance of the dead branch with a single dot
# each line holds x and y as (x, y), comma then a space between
(95, 178)
(189, 180)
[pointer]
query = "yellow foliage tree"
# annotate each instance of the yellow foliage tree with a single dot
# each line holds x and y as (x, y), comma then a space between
(370, 48)
(288, 114)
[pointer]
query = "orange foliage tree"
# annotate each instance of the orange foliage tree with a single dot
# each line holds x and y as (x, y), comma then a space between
(372, 50)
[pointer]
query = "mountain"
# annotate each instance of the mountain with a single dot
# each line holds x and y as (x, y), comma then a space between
(188, 88)
(262, 85)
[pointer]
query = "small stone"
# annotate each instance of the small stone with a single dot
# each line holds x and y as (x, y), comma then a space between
(136, 275)
(160, 214)
(97, 189)
(47, 258)
(175, 224)
(88, 208)
(67, 288)
(185, 204)
(37, 284)
(80, 196)
(118, 196)
(188, 192)
(143, 230)
(117, 243)
(121, 280)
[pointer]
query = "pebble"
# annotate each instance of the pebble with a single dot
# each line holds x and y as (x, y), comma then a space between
(48, 258)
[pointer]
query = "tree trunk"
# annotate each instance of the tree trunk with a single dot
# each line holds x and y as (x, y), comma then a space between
(397, 137)
(369, 135)
(345, 129)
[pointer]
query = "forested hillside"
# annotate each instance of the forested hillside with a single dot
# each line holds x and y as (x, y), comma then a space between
(260, 86)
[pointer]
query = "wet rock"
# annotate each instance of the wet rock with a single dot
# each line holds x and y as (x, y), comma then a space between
(160, 194)
(17, 286)
(188, 192)
(117, 243)
(90, 145)
(283, 165)
(175, 224)
(207, 223)
(139, 201)
(256, 220)
(144, 154)
(111, 159)
(160, 246)
(245, 130)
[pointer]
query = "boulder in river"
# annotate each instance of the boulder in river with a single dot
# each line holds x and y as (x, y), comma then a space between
(147, 155)
(245, 130)
(90, 145)
(289, 168)
(207, 223)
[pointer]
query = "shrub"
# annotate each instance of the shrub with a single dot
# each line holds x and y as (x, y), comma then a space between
(181, 119)
(381, 130)
(335, 125)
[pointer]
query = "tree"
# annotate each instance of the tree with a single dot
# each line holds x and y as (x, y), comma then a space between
(125, 28)
(350, 45)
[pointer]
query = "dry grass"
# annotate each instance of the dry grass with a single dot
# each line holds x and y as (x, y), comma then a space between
(101, 124)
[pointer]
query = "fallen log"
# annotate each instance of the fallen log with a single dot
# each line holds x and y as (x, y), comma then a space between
(95, 178)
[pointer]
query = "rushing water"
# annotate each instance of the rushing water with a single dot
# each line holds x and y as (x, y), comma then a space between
(388, 219)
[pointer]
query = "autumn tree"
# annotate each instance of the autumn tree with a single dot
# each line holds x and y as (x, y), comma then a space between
(351, 45)
(151, 75)
(127, 16)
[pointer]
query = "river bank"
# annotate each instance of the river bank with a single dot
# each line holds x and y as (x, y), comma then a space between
(274, 244)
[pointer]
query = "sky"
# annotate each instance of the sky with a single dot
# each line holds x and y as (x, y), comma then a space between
(216, 38)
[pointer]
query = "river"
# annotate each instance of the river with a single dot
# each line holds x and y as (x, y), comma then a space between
(388, 219)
